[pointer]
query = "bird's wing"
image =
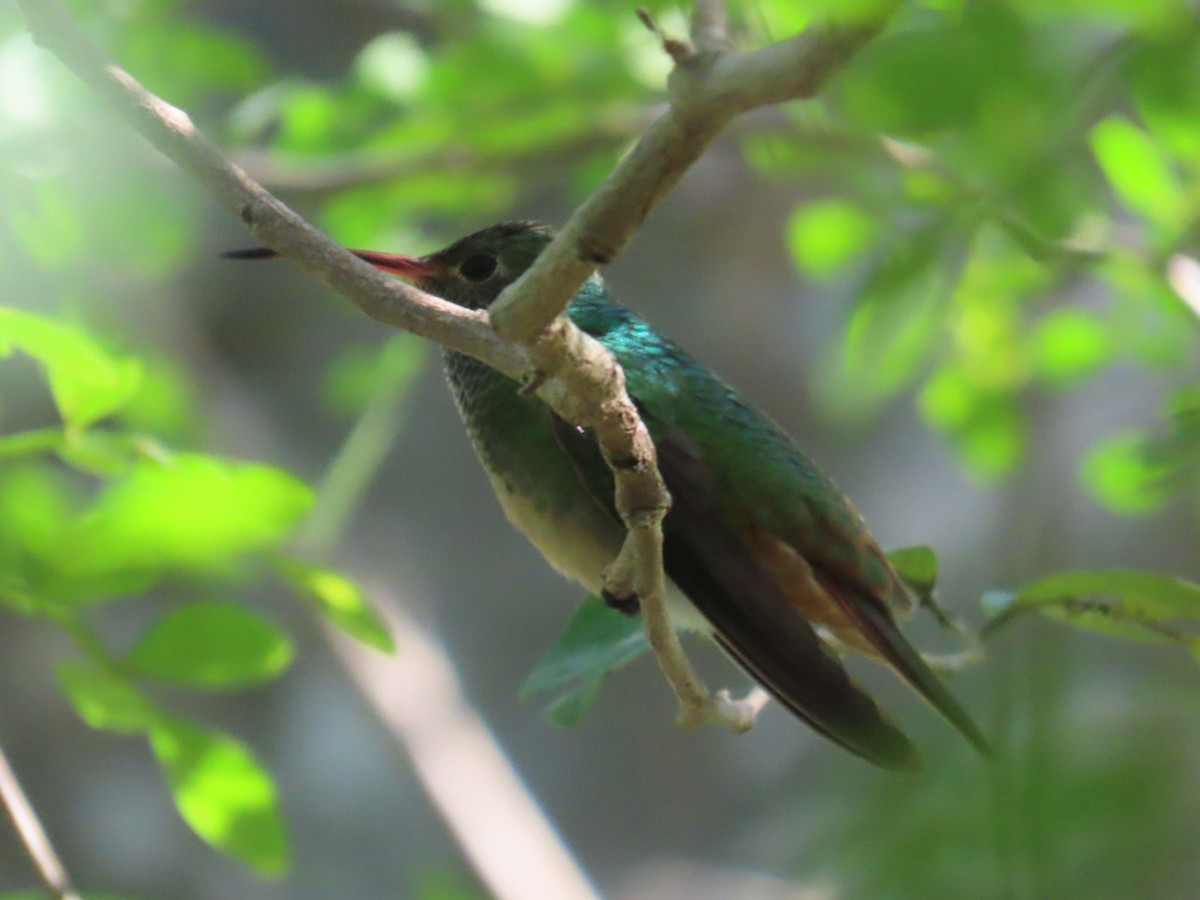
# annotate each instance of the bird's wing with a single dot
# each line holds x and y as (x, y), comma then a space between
(743, 602)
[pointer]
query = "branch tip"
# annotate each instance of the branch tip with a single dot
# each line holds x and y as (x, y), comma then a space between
(678, 49)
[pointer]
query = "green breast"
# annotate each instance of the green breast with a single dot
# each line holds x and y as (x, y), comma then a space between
(535, 482)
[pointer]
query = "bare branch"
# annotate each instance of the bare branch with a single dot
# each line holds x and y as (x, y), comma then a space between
(706, 92)
(32, 834)
(172, 132)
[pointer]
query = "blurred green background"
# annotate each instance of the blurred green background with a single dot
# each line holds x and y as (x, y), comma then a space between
(964, 278)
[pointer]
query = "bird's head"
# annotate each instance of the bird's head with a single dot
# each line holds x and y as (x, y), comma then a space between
(470, 272)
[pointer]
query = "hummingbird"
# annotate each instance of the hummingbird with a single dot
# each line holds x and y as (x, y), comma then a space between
(762, 550)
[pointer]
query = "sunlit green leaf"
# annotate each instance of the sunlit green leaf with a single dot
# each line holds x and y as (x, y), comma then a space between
(222, 793)
(983, 425)
(340, 600)
(1070, 344)
(87, 381)
(211, 645)
(889, 335)
(596, 640)
(106, 700)
(1137, 170)
(825, 236)
(35, 511)
(102, 453)
(918, 566)
(189, 511)
(1118, 473)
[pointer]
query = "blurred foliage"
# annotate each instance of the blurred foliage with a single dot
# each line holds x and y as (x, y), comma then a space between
(997, 190)
(93, 514)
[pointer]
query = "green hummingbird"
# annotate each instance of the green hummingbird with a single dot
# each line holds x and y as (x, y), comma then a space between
(764, 553)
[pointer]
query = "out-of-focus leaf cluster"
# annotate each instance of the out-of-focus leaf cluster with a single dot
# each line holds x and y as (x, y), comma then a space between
(980, 163)
(451, 124)
(94, 512)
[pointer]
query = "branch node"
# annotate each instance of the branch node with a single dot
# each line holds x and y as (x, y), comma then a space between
(678, 49)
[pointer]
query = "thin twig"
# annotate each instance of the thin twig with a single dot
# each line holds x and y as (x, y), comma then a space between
(32, 834)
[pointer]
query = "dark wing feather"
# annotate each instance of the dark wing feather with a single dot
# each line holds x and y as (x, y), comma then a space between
(746, 607)
(876, 623)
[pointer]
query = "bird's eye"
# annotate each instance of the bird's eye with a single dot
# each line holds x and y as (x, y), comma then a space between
(478, 268)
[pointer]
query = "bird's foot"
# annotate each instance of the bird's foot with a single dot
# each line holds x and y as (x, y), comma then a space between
(721, 709)
(628, 604)
(532, 381)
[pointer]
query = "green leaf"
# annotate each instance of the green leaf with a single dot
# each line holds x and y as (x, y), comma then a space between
(222, 793)
(983, 423)
(825, 236)
(918, 566)
(88, 383)
(1118, 602)
(896, 319)
(1118, 473)
(340, 600)
(97, 452)
(1138, 171)
(188, 511)
(1143, 594)
(211, 645)
(596, 640)
(568, 709)
(105, 700)
(1070, 344)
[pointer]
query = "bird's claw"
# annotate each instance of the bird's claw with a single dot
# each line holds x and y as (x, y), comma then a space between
(721, 709)
(629, 604)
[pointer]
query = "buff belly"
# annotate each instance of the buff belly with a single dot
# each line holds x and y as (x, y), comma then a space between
(580, 541)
